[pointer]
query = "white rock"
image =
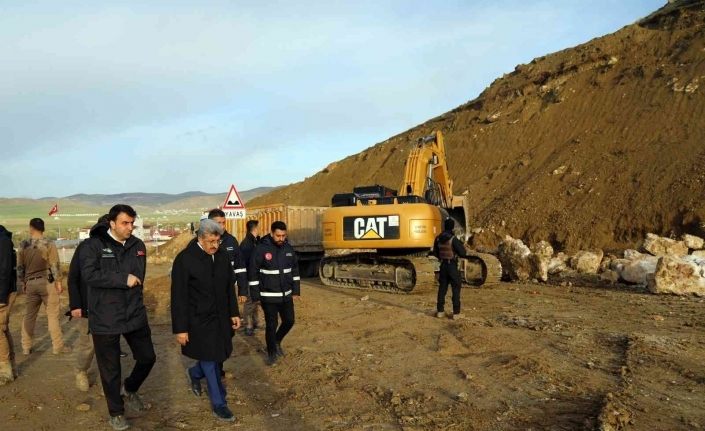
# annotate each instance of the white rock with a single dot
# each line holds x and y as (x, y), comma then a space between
(699, 253)
(540, 258)
(632, 254)
(660, 246)
(558, 263)
(693, 242)
(638, 270)
(514, 256)
(587, 262)
(678, 277)
(560, 170)
(619, 264)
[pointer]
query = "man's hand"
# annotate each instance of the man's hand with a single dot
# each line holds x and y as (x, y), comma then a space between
(296, 297)
(182, 338)
(236, 322)
(76, 312)
(242, 299)
(133, 281)
(59, 288)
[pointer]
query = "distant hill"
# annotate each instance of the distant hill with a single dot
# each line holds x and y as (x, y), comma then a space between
(99, 203)
(592, 146)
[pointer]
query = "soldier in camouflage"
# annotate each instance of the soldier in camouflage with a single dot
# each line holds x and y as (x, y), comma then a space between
(39, 277)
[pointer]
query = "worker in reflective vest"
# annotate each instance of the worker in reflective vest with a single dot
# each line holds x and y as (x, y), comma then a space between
(273, 278)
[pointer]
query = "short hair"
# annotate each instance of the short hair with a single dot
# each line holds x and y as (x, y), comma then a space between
(215, 212)
(103, 219)
(121, 208)
(251, 224)
(209, 227)
(278, 225)
(37, 224)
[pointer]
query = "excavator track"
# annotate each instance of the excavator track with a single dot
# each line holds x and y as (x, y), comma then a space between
(393, 274)
(403, 274)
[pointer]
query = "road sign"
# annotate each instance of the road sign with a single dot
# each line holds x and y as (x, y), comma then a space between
(233, 206)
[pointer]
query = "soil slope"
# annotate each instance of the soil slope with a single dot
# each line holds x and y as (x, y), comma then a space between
(592, 146)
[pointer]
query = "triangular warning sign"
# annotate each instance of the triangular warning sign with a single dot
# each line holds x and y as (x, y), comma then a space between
(371, 234)
(232, 200)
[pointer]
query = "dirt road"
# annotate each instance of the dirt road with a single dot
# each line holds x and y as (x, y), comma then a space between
(527, 357)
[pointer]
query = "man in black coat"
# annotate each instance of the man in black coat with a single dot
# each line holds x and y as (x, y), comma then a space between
(204, 311)
(78, 309)
(8, 293)
(447, 248)
(273, 275)
(113, 265)
(247, 246)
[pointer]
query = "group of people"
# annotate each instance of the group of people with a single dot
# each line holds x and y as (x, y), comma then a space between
(106, 282)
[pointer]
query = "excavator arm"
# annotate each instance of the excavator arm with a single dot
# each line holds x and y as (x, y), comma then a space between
(426, 172)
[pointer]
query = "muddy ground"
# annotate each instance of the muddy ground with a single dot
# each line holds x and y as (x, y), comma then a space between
(526, 357)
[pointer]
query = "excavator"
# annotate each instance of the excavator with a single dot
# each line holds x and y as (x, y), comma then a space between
(380, 238)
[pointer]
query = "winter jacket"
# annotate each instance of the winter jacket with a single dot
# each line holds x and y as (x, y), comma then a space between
(8, 264)
(112, 306)
(273, 272)
(247, 246)
(203, 302)
(78, 291)
(237, 263)
(447, 240)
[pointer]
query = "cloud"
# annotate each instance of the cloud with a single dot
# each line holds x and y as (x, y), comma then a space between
(153, 87)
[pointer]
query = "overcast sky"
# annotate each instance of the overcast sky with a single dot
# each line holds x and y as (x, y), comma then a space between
(173, 96)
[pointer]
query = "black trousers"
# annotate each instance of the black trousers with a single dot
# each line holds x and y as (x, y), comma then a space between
(449, 274)
(272, 312)
(107, 354)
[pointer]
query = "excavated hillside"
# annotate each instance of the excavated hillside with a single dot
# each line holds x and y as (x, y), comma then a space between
(592, 146)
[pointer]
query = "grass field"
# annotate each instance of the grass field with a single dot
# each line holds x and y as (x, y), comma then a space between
(67, 223)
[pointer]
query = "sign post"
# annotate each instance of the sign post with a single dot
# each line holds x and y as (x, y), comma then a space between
(233, 206)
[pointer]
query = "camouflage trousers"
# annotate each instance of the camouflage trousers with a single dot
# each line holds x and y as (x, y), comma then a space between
(39, 292)
(7, 354)
(85, 352)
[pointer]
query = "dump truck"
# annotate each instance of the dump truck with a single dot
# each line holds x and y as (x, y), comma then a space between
(303, 229)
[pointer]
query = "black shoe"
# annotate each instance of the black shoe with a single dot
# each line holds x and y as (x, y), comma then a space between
(195, 384)
(223, 413)
(123, 354)
(280, 351)
(249, 332)
(272, 360)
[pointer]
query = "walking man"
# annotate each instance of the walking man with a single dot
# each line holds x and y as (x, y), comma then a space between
(8, 293)
(232, 249)
(273, 275)
(78, 306)
(204, 312)
(447, 248)
(40, 277)
(113, 264)
(247, 246)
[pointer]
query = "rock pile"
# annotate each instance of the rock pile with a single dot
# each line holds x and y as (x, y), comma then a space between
(665, 265)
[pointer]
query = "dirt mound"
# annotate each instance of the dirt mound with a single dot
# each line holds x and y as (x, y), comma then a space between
(592, 146)
(171, 248)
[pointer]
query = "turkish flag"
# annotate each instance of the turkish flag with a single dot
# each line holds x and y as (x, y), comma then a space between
(54, 210)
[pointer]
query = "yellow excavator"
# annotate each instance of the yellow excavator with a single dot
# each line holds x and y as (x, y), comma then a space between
(380, 238)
